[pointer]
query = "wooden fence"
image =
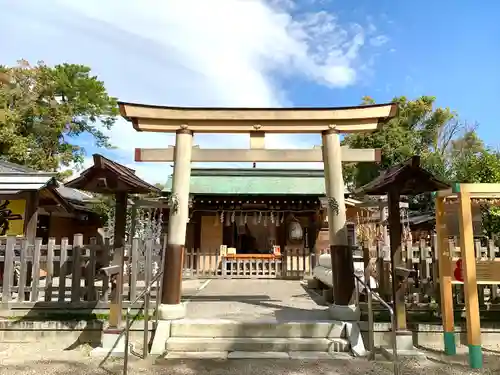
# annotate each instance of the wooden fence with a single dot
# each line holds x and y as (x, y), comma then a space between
(422, 258)
(63, 272)
(291, 264)
(69, 273)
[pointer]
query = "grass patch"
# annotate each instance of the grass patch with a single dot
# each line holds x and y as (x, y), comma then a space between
(431, 316)
(71, 316)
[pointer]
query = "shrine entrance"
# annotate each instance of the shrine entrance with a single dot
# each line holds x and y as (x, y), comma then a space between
(330, 122)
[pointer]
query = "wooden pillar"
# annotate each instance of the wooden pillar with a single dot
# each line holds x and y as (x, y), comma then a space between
(115, 309)
(341, 253)
(470, 281)
(30, 227)
(444, 258)
(179, 214)
(395, 231)
(382, 266)
(31, 216)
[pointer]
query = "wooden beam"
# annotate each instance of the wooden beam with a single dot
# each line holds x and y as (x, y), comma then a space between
(257, 140)
(238, 127)
(444, 263)
(470, 281)
(477, 189)
(256, 155)
(243, 120)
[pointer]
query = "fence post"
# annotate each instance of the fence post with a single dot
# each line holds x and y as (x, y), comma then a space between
(134, 269)
(49, 279)
(492, 256)
(63, 269)
(8, 268)
(76, 252)
(35, 281)
(23, 269)
(90, 271)
(435, 268)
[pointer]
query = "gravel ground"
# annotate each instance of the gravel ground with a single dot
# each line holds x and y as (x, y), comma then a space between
(50, 358)
(284, 300)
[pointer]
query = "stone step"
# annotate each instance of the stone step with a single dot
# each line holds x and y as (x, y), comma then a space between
(257, 355)
(231, 328)
(255, 344)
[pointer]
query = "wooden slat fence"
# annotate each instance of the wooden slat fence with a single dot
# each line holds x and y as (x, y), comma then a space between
(67, 272)
(422, 257)
(293, 263)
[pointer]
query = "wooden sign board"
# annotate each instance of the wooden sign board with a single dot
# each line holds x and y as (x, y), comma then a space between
(276, 250)
(487, 272)
(223, 250)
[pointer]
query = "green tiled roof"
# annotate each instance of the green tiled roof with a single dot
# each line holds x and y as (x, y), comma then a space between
(255, 181)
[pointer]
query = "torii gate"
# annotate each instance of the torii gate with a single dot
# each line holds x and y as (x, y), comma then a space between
(330, 122)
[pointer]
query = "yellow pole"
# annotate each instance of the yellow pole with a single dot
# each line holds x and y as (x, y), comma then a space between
(470, 281)
(444, 260)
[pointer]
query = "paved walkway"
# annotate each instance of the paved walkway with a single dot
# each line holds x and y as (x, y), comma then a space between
(239, 299)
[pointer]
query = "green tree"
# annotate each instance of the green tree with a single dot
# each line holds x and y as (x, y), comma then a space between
(418, 129)
(43, 109)
(449, 147)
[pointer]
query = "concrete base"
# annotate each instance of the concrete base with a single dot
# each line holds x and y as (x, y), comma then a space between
(351, 313)
(353, 334)
(388, 354)
(327, 295)
(255, 344)
(196, 355)
(404, 346)
(172, 312)
(162, 333)
(113, 344)
(305, 356)
(257, 355)
(404, 340)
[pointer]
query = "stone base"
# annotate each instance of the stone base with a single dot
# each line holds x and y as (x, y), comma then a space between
(388, 354)
(404, 346)
(327, 295)
(171, 312)
(404, 340)
(113, 344)
(161, 335)
(350, 313)
(353, 334)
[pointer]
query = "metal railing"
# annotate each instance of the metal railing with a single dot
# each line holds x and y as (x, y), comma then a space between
(371, 321)
(146, 293)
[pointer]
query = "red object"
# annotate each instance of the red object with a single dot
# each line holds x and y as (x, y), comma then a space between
(457, 273)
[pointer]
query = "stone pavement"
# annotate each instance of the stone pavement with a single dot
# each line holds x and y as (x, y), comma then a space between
(240, 299)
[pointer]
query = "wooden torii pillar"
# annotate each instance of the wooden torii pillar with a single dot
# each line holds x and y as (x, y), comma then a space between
(330, 122)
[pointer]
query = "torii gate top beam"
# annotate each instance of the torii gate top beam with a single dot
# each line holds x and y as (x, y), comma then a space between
(243, 120)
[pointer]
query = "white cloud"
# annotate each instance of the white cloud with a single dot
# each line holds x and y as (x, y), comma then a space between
(379, 40)
(193, 53)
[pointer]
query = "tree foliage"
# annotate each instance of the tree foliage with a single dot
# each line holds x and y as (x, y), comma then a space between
(449, 148)
(43, 109)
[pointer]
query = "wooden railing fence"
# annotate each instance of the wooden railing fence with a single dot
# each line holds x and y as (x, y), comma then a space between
(68, 273)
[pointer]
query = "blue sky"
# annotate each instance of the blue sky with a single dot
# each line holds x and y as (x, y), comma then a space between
(265, 53)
